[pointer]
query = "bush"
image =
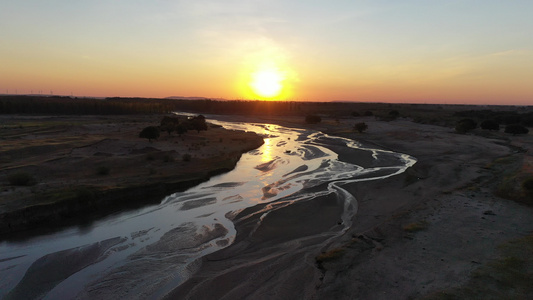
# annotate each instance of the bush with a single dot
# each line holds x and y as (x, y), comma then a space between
(360, 127)
(465, 125)
(527, 185)
(516, 129)
(150, 133)
(21, 179)
(313, 119)
(368, 113)
(490, 125)
(168, 158)
(394, 114)
(186, 157)
(102, 170)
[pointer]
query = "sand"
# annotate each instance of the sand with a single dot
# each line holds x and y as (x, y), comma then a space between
(415, 234)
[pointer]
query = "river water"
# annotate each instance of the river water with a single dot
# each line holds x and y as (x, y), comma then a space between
(146, 253)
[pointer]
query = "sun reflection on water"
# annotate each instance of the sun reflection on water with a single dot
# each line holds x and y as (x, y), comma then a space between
(267, 151)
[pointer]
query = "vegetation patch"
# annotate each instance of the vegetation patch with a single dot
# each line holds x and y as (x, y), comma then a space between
(21, 179)
(508, 277)
(330, 255)
(103, 170)
(417, 226)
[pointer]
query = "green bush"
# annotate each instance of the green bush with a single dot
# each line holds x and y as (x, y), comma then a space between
(21, 179)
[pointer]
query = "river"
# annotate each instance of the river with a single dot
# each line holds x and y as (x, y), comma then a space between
(146, 253)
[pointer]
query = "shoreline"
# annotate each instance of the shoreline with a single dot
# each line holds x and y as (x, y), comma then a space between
(68, 192)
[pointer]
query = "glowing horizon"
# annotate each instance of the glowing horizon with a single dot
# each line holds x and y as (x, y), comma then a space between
(386, 51)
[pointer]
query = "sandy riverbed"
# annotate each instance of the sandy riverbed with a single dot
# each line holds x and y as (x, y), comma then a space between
(415, 235)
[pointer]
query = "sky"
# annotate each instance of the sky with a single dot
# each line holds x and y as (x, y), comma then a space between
(425, 51)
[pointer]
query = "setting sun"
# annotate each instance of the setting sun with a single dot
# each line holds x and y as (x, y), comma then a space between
(267, 83)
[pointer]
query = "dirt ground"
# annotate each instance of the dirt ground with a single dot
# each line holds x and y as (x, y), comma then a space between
(75, 158)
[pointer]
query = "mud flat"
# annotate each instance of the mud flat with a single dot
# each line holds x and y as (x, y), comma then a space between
(80, 167)
(422, 234)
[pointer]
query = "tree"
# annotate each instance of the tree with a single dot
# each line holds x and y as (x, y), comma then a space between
(150, 133)
(169, 124)
(490, 125)
(181, 129)
(313, 119)
(465, 125)
(368, 113)
(360, 127)
(515, 129)
(196, 123)
(394, 114)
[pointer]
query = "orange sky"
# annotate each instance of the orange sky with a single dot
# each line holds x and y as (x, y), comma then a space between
(413, 51)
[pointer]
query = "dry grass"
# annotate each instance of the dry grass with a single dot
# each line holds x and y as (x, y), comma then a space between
(509, 277)
(417, 226)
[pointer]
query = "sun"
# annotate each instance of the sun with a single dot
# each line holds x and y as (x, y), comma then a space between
(267, 83)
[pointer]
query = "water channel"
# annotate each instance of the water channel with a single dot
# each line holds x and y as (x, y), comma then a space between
(147, 252)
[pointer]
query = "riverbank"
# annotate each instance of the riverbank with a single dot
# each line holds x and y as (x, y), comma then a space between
(78, 168)
(421, 234)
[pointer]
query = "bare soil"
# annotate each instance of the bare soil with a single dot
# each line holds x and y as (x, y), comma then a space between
(84, 164)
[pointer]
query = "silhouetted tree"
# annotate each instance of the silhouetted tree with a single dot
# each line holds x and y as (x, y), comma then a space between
(197, 123)
(150, 133)
(360, 127)
(515, 129)
(490, 125)
(169, 124)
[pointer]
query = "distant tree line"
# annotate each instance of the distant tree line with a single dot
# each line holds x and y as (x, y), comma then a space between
(57, 105)
(499, 117)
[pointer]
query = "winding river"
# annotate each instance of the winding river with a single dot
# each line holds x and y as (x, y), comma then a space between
(148, 252)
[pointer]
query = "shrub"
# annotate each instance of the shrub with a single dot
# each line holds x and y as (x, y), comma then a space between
(150, 133)
(516, 129)
(313, 119)
(168, 158)
(490, 125)
(527, 185)
(368, 113)
(394, 114)
(355, 114)
(186, 157)
(465, 125)
(102, 170)
(360, 127)
(21, 179)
